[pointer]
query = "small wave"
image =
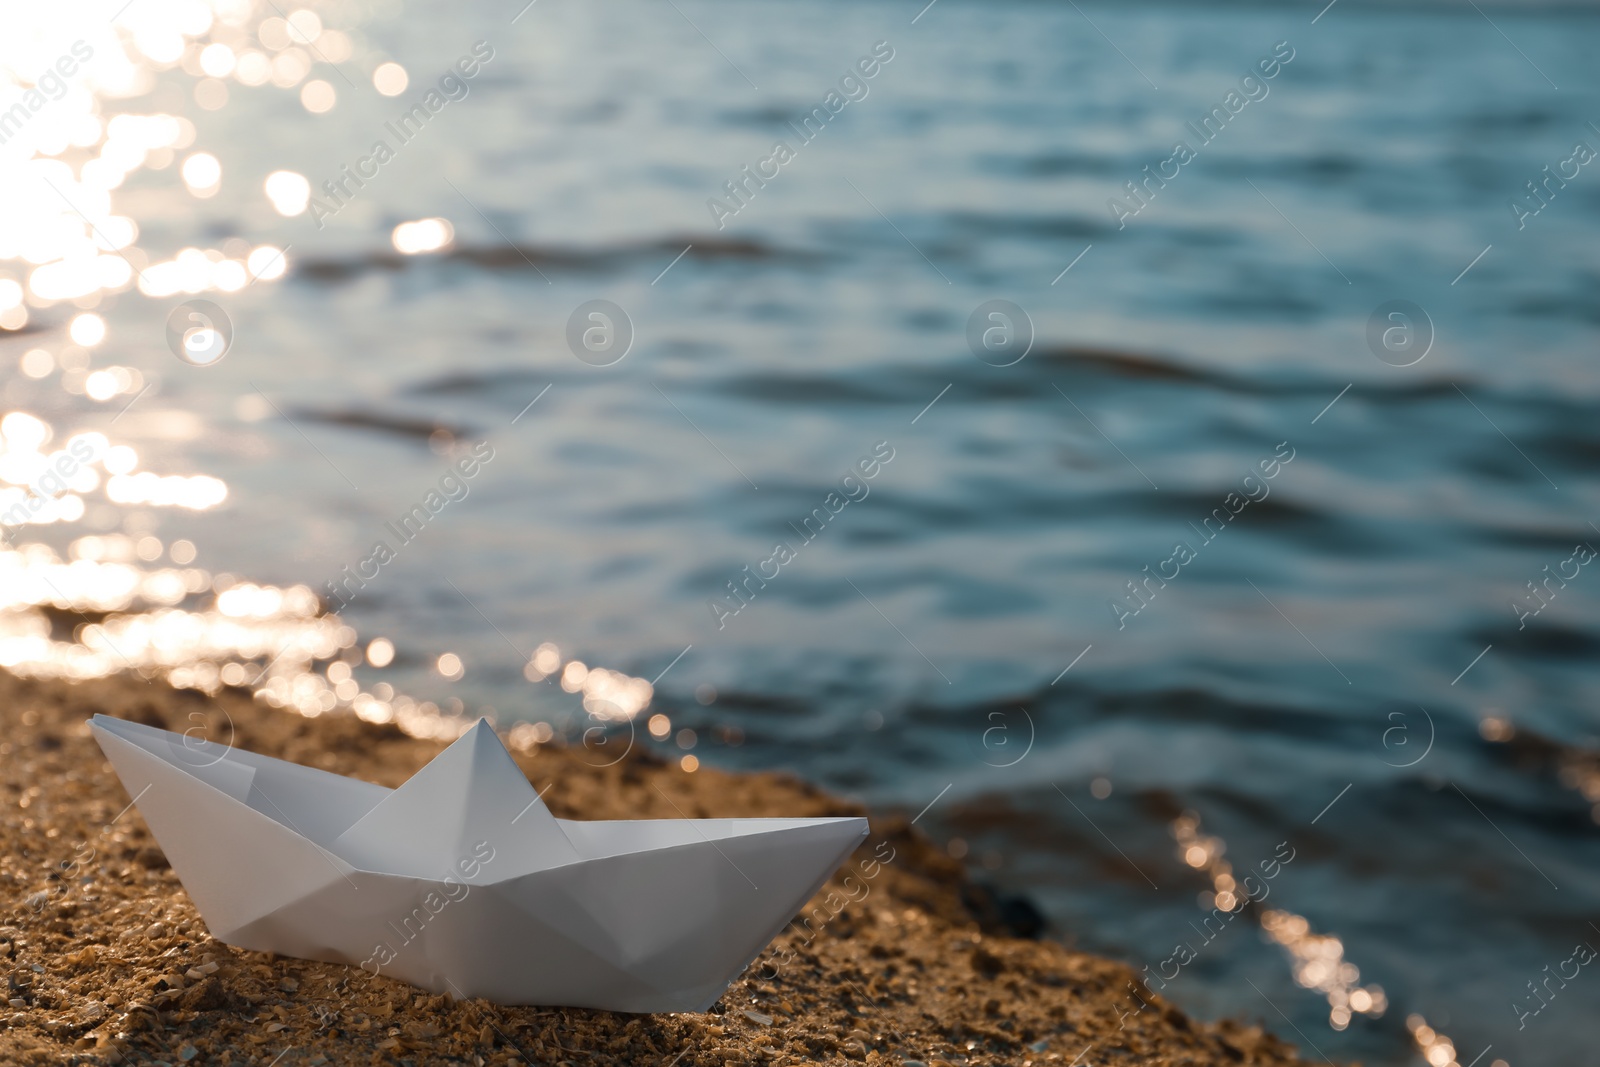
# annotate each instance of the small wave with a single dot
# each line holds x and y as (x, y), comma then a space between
(987, 225)
(525, 257)
(1130, 365)
(1555, 641)
(1053, 165)
(423, 429)
(478, 383)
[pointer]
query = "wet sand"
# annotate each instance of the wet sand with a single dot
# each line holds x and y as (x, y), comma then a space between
(107, 962)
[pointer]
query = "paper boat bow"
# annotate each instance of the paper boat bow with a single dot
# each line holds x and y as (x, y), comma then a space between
(462, 881)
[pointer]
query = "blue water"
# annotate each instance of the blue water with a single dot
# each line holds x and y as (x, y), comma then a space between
(1337, 643)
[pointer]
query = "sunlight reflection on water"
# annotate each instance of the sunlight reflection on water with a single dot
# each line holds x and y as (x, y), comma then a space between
(109, 605)
(73, 140)
(70, 147)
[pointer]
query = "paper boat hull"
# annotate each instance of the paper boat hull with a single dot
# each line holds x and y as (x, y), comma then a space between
(654, 915)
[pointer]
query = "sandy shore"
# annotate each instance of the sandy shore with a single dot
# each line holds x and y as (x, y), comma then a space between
(107, 962)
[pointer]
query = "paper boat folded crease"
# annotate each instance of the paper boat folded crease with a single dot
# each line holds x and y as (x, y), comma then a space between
(462, 881)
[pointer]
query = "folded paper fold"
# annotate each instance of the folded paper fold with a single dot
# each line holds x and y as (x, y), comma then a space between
(462, 881)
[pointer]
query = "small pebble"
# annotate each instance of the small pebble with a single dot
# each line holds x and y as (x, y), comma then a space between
(155, 931)
(187, 1053)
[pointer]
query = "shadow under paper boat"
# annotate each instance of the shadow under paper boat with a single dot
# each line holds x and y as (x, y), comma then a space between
(462, 881)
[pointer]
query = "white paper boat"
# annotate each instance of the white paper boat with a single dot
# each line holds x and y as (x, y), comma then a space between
(462, 881)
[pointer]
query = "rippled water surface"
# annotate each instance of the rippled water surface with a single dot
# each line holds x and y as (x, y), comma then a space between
(1370, 670)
